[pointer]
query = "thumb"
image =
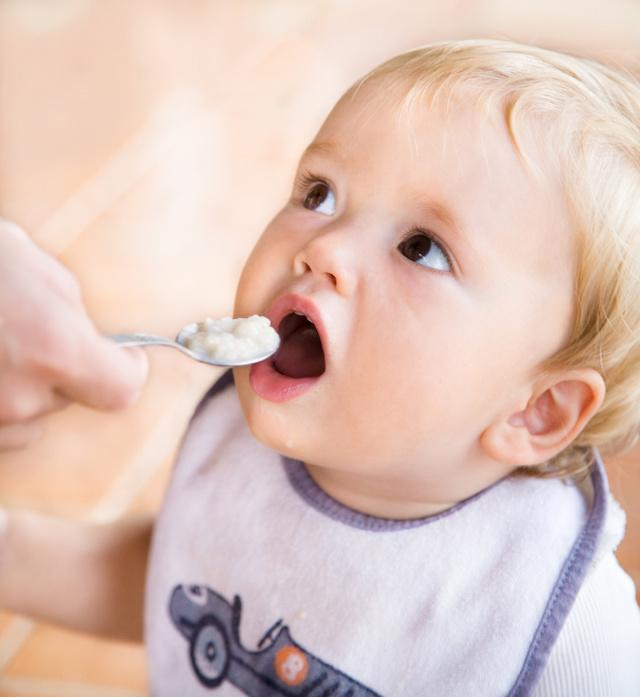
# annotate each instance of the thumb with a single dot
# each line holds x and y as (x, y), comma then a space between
(106, 376)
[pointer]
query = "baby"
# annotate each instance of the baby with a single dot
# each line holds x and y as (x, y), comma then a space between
(408, 499)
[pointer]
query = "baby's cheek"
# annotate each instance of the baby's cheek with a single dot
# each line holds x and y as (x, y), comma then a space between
(263, 426)
(249, 292)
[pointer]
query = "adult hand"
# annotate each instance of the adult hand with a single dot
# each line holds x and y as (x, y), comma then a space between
(50, 351)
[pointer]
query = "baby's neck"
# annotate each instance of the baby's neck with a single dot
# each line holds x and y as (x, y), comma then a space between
(373, 498)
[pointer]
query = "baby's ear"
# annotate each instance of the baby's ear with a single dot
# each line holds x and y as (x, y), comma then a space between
(557, 411)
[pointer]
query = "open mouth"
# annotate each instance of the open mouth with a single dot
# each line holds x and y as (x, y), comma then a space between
(301, 359)
(300, 354)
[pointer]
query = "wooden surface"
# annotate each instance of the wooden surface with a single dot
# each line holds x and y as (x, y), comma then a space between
(146, 144)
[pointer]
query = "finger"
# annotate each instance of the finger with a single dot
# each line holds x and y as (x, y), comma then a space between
(19, 436)
(20, 400)
(25, 398)
(105, 376)
(58, 402)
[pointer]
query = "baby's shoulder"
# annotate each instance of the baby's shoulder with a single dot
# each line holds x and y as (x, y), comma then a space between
(596, 653)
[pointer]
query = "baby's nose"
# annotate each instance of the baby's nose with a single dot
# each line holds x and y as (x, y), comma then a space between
(328, 257)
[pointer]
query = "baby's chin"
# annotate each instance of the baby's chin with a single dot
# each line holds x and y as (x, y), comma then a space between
(269, 423)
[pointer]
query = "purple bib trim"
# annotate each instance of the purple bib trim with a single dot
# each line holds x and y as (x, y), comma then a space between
(305, 486)
(566, 588)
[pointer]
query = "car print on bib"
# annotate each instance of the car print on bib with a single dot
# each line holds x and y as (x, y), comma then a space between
(279, 666)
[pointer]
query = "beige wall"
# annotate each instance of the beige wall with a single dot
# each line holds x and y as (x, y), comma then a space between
(146, 144)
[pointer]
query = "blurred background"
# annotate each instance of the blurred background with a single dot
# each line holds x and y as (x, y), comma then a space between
(147, 144)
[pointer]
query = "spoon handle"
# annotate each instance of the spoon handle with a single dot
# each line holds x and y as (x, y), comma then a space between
(142, 340)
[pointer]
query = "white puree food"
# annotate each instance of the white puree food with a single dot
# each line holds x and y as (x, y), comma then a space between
(233, 339)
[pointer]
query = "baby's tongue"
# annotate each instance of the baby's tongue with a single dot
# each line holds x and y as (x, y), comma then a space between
(300, 355)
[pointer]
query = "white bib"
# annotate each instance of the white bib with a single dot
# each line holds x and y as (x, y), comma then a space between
(260, 584)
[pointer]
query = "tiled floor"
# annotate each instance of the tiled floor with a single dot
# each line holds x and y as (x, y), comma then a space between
(146, 144)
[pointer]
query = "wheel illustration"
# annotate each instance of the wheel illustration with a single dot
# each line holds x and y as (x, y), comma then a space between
(209, 651)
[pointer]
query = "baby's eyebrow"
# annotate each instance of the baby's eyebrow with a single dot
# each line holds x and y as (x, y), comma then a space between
(437, 209)
(446, 215)
(325, 147)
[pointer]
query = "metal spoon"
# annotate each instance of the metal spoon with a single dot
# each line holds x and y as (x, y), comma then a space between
(179, 343)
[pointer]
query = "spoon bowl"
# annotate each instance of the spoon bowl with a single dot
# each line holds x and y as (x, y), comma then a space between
(180, 343)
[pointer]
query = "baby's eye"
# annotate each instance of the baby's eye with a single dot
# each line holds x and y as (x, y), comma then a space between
(424, 250)
(320, 198)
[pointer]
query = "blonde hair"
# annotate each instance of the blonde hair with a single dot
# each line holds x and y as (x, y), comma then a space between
(591, 115)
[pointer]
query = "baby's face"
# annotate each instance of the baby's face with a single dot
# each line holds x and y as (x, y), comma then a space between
(438, 273)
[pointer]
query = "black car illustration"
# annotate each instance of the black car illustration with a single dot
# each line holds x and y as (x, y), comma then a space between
(279, 666)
